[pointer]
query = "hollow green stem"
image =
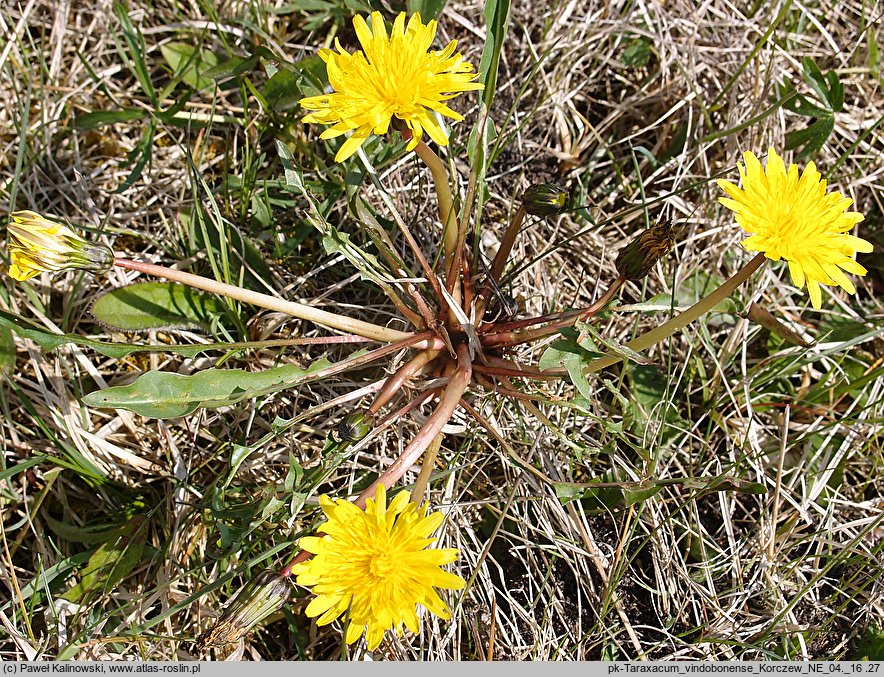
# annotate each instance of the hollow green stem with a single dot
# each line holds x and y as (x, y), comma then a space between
(446, 205)
(304, 312)
(429, 462)
(680, 321)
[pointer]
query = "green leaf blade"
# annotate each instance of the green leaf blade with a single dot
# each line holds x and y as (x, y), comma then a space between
(101, 118)
(160, 394)
(157, 305)
(190, 63)
(497, 16)
(112, 561)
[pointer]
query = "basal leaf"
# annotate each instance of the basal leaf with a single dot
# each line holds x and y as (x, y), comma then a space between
(814, 77)
(836, 91)
(568, 353)
(828, 87)
(293, 175)
(577, 348)
(592, 340)
(576, 364)
(637, 53)
(870, 646)
(607, 494)
(136, 49)
(189, 62)
(157, 305)
(7, 350)
(651, 404)
(556, 354)
(76, 534)
(47, 580)
(49, 341)
(282, 90)
(112, 561)
(100, 118)
(567, 492)
(497, 17)
(161, 394)
(812, 138)
(238, 65)
(428, 9)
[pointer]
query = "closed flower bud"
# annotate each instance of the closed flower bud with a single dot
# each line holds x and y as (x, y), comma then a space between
(353, 428)
(259, 598)
(38, 245)
(544, 199)
(637, 258)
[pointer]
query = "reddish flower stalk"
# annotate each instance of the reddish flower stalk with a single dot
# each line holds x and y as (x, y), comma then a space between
(517, 371)
(511, 338)
(469, 292)
(387, 420)
(397, 380)
(426, 314)
(494, 328)
(489, 384)
(506, 244)
(382, 425)
(455, 389)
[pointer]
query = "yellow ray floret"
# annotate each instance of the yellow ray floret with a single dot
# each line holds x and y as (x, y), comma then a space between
(392, 77)
(792, 217)
(376, 563)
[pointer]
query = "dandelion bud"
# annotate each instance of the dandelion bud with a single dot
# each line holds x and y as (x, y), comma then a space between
(37, 245)
(353, 428)
(258, 598)
(637, 258)
(544, 199)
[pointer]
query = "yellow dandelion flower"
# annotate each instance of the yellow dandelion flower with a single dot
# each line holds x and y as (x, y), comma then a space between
(794, 218)
(38, 245)
(393, 76)
(376, 564)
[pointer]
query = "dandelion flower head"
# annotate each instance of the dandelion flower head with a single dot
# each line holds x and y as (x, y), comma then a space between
(376, 563)
(37, 244)
(391, 77)
(792, 217)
